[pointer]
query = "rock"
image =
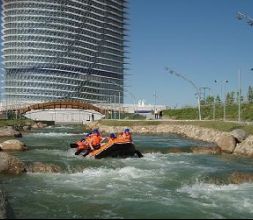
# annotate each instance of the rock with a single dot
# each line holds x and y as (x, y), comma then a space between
(9, 132)
(10, 164)
(35, 125)
(39, 125)
(245, 148)
(27, 128)
(216, 179)
(239, 134)
(227, 143)
(13, 145)
(226, 179)
(3, 162)
(206, 150)
(3, 206)
(93, 125)
(19, 135)
(239, 178)
(39, 167)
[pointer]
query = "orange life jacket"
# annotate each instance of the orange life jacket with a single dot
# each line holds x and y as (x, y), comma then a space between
(112, 140)
(120, 137)
(81, 145)
(127, 137)
(96, 140)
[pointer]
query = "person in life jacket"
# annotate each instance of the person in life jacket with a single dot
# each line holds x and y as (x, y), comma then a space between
(112, 138)
(96, 139)
(83, 144)
(126, 136)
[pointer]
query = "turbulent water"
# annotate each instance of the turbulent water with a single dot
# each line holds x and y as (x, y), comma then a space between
(160, 185)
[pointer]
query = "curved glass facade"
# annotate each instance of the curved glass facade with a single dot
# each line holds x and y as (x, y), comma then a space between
(63, 49)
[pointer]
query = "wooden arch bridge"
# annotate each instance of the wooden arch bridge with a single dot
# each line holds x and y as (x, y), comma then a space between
(61, 104)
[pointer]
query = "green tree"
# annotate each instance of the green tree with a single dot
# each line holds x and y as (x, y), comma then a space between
(242, 98)
(217, 99)
(230, 98)
(209, 99)
(250, 95)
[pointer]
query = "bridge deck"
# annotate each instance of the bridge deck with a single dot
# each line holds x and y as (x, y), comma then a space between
(66, 104)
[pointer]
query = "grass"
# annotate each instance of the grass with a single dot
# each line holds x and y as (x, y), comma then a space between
(222, 126)
(14, 122)
(217, 125)
(126, 123)
(207, 113)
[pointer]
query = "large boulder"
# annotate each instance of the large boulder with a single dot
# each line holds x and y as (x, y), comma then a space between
(9, 132)
(239, 134)
(39, 167)
(39, 125)
(3, 206)
(245, 148)
(227, 143)
(237, 177)
(27, 128)
(13, 145)
(10, 164)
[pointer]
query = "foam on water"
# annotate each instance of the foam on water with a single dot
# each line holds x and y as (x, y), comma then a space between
(64, 127)
(233, 197)
(99, 176)
(54, 152)
(200, 189)
(124, 174)
(55, 134)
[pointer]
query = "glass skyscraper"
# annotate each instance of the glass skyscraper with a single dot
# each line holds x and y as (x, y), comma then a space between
(72, 49)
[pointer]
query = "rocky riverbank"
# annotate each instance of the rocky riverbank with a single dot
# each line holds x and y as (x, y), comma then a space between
(9, 131)
(235, 142)
(13, 166)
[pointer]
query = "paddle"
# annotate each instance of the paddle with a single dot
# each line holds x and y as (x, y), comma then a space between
(74, 145)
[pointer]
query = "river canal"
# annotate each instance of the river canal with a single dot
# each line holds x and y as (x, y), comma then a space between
(159, 185)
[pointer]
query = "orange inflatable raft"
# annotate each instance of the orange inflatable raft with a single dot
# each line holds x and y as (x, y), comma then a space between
(121, 149)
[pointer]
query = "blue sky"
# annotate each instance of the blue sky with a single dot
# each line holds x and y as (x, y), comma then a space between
(200, 39)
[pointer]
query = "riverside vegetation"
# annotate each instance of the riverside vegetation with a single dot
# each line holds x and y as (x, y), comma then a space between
(207, 112)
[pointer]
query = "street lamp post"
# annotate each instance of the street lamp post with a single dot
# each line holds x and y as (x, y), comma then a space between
(239, 96)
(214, 108)
(204, 92)
(155, 109)
(119, 105)
(243, 16)
(224, 96)
(155, 96)
(192, 83)
(130, 93)
(212, 102)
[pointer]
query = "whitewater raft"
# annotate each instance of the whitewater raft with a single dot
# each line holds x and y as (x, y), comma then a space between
(116, 149)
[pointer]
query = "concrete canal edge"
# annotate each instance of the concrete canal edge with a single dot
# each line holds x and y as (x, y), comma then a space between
(229, 142)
